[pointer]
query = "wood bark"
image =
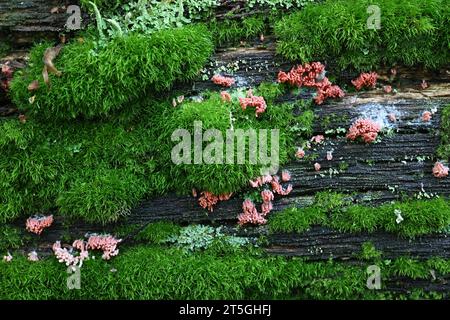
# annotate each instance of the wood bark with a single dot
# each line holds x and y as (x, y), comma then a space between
(376, 173)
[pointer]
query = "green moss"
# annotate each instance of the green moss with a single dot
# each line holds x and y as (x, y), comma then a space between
(103, 5)
(158, 232)
(99, 80)
(420, 217)
(214, 114)
(10, 238)
(269, 90)
(296, 219)
(343, 166)
(91, 170)
(230, 31)
(440, 265)
(328, 201)
(4, 48)
(369, 252)
(334, 210)
(412, 33)
(99, 170)
(444, 149)
(170, 273)
(407, 267)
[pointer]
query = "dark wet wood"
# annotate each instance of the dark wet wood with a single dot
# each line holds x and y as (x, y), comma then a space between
(24, 21)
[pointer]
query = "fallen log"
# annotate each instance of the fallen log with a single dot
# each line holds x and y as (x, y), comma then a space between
(23, 22)
(320, 243)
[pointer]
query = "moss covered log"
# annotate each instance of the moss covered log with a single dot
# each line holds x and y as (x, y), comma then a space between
(408, 32)
(212, 275)
(99, 79)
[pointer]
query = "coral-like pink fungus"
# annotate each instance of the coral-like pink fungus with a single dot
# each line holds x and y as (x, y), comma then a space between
(106, 243)
(312, 75)
(318, 139)
(208, 199)
(226, 97)
(426, 116)
(250, 214)
(300, 153)
(222, 81)
(63, 255)
(387, 89)
(33, 256)
(330, 155)
(439, 170)
(285, 175)
(253, 101)
(278, 188)
(424, 85)
(258, 182)
(365, 80)
(37, 224)
(6, 74)
(267, 195)
(364, 128)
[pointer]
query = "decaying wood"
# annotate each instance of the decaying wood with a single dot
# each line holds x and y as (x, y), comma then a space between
(23, 22)
(376, 173)
(252, 65)
(399, 164)
(321, 243)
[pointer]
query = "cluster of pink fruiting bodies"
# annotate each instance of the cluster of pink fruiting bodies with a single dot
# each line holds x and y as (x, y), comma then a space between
(208, 200)
(223, 81)
(313, 76)
(106, 243)
(37, 224)
(439, 170)
(365, 80)
(253, 101)
(251, 214)
(364, 128)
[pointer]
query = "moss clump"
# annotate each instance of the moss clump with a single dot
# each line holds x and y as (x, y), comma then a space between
(96, 171)
(97, 80)
(158, 232)
(221, 176)
(407, 267)
(444, 149)
(99, 170)
(296, 220)
(412, 33)
(10, 238)
(170, 273)
(420, 216)
(230, 31)
(369, 252)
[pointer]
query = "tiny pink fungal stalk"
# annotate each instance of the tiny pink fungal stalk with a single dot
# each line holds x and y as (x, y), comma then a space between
(440, 170)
